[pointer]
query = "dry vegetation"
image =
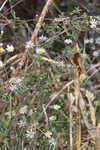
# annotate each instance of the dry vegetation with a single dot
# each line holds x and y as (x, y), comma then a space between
(49, 75)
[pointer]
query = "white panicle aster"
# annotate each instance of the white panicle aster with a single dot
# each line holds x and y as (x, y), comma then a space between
(18, 81)
(86, 41)
(29, 44)
(97, 40)
(10, 48)
(1, 64)
(74, 109)
(52, 141)
(40, 51)
(21, 123)
(30, 112)
(12, 80)
(95, 53)
(1, 48)
(30, 134)
(56, 107)
(91, 40)
(48, 134)
(93, 23)
(68, 41)
(60, 63)
(15, 83)
(13, 87)
(23, 110)
(52, 118)
(43, 38)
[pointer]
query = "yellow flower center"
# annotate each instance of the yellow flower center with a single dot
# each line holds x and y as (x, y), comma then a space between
(30, 133)
(19, 80)
(41, 50)
(1, 64)
(52, 117)
(23, 109)
(1, 49)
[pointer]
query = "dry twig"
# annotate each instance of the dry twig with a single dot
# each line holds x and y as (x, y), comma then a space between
(58, 93)
(35, 33)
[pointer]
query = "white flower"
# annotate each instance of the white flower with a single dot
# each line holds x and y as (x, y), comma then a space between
(40, 51)
(15, 80)
(1, 48)
(21, 123)
(30, 133)
(1, 64)
(18, 81)
(91, 40)
(29, 44)
(23, 110)
(86, 41)
(10, 114)
(13, 87)
(48, 134)
(43, 38)
(10, 48)
(90, 95)
(93, 47)
(74, 109)
(15, 83)
(2, 32)
(92, 66)
(95, 53)
(60, 63)
(97, 40)
(12, 80)
(30, 112)
(52, 141)
(68, 41)
(52, 118)
(1, 44)
(93, 23)
(56, 107)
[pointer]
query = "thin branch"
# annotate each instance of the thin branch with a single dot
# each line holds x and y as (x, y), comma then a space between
(41, 19)
(35, 33)
(58, 93)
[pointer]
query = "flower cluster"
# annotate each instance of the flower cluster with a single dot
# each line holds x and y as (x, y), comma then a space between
(68, 41)
(10, 48)
(87, 41)
(14, 83)
(92, 40)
